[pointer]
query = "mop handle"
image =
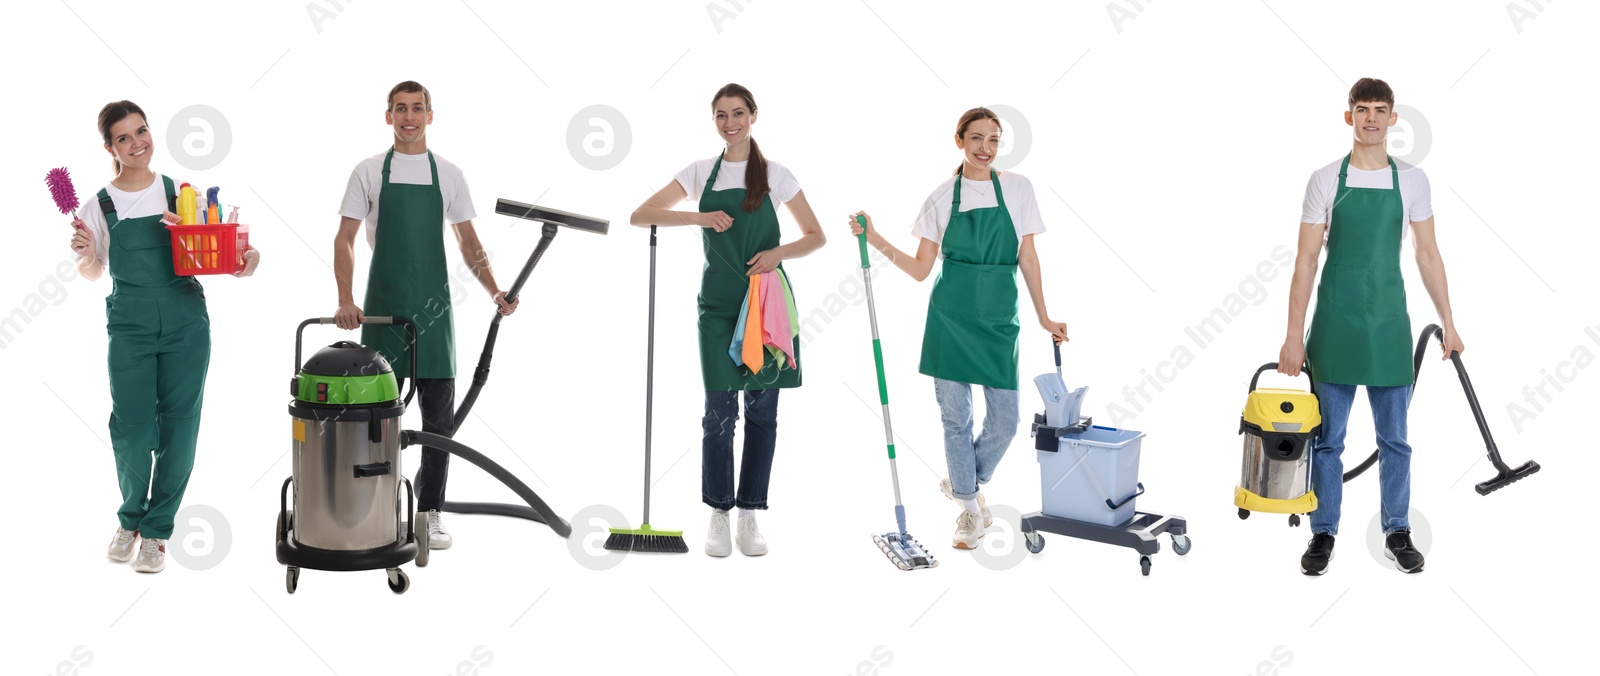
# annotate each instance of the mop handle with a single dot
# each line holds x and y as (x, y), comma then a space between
(883, 383)
(1057, 346)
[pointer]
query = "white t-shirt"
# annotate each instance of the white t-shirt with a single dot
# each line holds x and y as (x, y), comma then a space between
(1415, 194)
(693, 179)
(366, 182)
(151, 201)
(1020, 204)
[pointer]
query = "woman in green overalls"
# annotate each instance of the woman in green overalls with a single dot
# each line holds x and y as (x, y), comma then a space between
(983, 222)
(738, 192)
(160, 336)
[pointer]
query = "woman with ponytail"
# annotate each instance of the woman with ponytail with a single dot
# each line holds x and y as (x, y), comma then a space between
(981, 222)
(738, 192)
(160, 336)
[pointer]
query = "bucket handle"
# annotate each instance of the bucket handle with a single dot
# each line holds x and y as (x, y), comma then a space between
(1136, 493)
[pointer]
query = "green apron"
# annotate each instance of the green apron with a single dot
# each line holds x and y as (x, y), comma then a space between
(972, 329)
(410, 278)
(1360, 333)
(158, 351)
(724, 285)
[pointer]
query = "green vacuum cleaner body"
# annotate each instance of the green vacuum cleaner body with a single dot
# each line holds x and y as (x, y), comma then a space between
(341, 509)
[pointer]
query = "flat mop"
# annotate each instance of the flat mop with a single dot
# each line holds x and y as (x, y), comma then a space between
(899, 546)
(644, 538)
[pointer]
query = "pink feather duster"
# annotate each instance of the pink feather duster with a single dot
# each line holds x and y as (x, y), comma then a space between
(61, 190)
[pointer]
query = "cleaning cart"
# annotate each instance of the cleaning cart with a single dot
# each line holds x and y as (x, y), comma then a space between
(1089, 479)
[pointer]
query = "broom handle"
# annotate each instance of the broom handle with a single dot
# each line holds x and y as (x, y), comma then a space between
(649, 376)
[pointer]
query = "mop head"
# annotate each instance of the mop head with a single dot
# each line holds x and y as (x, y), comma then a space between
(60, 183)
(904, 551)
(647, 539)
(1506, 478)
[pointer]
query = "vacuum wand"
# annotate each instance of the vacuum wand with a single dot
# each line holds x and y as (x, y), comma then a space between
(551, 218)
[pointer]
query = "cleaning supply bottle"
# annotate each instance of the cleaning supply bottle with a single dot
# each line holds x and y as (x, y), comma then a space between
(213, 208)
(186, 211)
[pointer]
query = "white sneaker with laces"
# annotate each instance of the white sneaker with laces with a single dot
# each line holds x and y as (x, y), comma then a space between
(152, 556)
(983, 503)
(438, 535)
(967, 530)
(122, 545)
(751, 542)
(718, 540)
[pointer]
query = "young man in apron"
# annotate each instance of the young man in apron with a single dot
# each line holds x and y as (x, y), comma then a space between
(1360, 332)
(405, 195)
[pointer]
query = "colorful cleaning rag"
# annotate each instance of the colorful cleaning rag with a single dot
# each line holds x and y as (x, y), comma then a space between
(777, 332)
(751, 353)
(767, 323)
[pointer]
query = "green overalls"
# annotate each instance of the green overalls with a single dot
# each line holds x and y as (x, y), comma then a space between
(410, 278)
(724, 284)
(972, 329)
(158, 351)
(1360, 333)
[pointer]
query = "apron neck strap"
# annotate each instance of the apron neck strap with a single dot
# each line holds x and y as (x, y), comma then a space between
(1344, 170)
(994, 179)
(433, 167)
(712, 179)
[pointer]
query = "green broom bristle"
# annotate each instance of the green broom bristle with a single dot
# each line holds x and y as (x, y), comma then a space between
(646, 539)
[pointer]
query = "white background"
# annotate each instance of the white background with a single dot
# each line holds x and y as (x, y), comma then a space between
(1180, 134)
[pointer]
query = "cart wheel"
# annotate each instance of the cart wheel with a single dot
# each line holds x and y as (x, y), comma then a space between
(291, 578)
(1035, 542)
(1294, 520)
(1180, 544)
(420, 528)
(1243, 513)
(398, 582)
(1144, 565)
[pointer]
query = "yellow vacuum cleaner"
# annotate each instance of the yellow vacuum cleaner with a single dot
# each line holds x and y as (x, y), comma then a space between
(1279, 427)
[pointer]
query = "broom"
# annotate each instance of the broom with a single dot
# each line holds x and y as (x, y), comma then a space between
(644, 538)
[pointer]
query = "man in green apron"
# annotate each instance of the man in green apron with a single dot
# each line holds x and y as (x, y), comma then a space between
(1361, 332)
(405, 196)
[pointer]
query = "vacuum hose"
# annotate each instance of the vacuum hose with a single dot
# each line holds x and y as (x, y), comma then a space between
(1505, 475)
(536, 510)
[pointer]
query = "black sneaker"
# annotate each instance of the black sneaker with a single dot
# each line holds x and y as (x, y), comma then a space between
(1318, 554)
(1397, 546)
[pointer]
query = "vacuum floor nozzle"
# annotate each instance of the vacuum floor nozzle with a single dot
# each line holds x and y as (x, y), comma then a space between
(565, 219)
(1507, 477)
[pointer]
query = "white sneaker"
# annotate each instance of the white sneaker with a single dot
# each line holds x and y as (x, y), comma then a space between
(751, 542)
(967, 530)
(438, 535)
(983, 503)
(152, 556)
(121, 548)
(718, 542)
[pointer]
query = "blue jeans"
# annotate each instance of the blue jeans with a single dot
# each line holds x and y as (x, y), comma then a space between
(972, 461)
(716, 448)
(1389, 405)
